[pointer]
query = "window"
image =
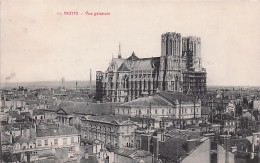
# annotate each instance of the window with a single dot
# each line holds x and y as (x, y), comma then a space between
(147, 112)
(155, 111)
(163, 111)
(72, 139)
(140, 112)
(55, 141)
(39, 142)
(46, 142)
(64, 141)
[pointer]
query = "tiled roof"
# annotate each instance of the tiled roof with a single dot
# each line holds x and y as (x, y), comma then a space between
(147, 102)
(205, 110)
(241, 144)
(133, 153)
(173, 96)
(223, 117)
(184, 135)
(123, 67)
(133, 57)
(85, 108)
(143, 64)
(109, 118)
(38, 112)
(14, 114)
(173, 148)
(46, 130)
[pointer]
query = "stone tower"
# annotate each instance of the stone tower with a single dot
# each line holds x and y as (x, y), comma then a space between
(170, 77)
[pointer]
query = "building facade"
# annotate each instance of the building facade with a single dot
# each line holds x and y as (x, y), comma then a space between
(114, 131)
(178, 69)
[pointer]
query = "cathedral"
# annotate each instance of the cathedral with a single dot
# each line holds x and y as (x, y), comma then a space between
(178, 69)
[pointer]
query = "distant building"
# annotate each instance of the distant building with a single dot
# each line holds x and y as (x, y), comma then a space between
(178, 69)
(256, 105)
(228, 123)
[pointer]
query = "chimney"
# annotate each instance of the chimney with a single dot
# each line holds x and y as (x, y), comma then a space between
(145, 94)
(3, 101)
(191, 144)
(211, 136)
(225, 141)
(21, 130)
(254, 141)
(233, 149)
(15, 104)
(90, 79)
(145, 142)
(148, 143)
(155, 148)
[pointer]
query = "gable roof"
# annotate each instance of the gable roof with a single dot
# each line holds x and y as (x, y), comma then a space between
(143, 63)
(53, 130)
(133, 153)
(85, 108)
(173, 96)
(38, 112)
(132, 57)
(123, 67)
(147, 102)
(118, 119)
(173, 148)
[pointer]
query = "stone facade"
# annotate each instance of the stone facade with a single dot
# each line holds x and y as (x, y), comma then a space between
(115, 131)
(179, 69)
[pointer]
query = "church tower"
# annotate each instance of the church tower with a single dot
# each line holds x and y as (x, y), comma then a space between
(170, 77)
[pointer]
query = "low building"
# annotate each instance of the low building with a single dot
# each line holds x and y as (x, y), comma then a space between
(53, 137)
(116, 131)
(181, 109)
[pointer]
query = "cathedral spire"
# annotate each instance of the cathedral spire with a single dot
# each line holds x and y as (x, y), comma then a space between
(119, 51)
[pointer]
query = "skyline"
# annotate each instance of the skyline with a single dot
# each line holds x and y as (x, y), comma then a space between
(49, 46)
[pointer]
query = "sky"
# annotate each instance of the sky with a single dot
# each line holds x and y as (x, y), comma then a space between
(38, 44)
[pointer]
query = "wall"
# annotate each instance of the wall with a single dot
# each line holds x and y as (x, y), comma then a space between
(221, 155)
(201, 154)
(60, 142)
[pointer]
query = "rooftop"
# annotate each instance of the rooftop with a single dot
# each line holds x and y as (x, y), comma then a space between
(50, 130)
(147, 102)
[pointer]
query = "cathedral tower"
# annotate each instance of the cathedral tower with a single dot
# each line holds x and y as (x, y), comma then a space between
(170, 76)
